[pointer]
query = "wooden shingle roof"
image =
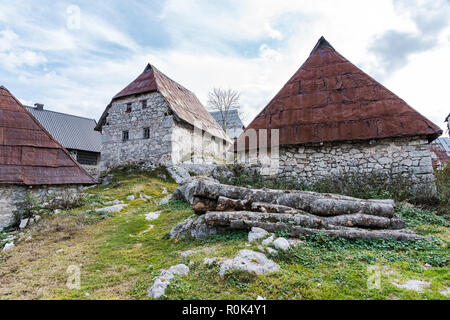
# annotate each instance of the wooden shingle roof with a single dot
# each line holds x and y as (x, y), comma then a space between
(183, 102)
(29, 155)
(330, 99)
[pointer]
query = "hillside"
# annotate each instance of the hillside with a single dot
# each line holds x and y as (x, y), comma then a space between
(120, 254)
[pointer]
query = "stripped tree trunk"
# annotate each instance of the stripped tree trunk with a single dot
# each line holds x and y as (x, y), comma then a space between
(297, 212)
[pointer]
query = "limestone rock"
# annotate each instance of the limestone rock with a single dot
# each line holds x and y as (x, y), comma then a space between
(416, 285)
(256, 234)
(165, 200)
(152, 215)
(161, 283)
(23, 223)
(130, 197)
(111, 209)
(269, 240)
(282, 244)
(179, 174)
(250, 261)
(187, 253)
(8, 246)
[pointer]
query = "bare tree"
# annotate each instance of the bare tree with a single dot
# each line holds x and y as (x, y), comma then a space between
(224, 100)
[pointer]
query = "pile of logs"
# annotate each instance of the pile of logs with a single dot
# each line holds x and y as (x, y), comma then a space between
(296, 212)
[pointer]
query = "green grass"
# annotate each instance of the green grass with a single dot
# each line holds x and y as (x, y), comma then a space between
(119, 260)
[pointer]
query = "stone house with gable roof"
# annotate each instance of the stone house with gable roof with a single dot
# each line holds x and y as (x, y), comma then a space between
(333, 119)
(152, 122)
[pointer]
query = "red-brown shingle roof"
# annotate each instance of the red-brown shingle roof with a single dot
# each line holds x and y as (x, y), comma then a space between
(29, 155)
(183, 102)
(330, 99)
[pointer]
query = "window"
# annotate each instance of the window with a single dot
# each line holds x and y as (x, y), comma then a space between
(125, 135)
(87, 158)
(146, 133)
(128, 108)
(144, 104)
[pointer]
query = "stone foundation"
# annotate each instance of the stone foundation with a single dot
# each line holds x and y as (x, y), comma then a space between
(409, 157)
(13, 196)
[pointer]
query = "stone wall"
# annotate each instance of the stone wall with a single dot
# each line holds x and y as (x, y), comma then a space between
(310, 163)
(12, 196)
(170, 141)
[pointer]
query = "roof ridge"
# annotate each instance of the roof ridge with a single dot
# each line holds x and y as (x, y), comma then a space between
(322, 42)
(66, 114)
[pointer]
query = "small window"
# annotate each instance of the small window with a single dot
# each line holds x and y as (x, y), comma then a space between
(125, 136)
(146, 133)
(144, 104)
(128, 107)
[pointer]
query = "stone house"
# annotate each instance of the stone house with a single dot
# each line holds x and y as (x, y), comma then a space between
(156, 121)
(440, 152)
(331, 118)
(74, 133)
(31, 161)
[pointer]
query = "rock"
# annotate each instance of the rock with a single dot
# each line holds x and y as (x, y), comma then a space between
(261, 249)
(250, 261)
(187, 253)
(198, 169)
(194, 227)
(152, 215)
(295, 242)
(209, 261)
(164, 191)
(271, 251)
(256, 234)
(57, 211)
(281, 243)
(8, 246)
(269, 240)
(23, 223)
(115, 208)
(107, 180)
(416, 285)
(445, 292)
(179, 174)
(161, 283)
(222, 172)
(260, 298)
(158, 289)
(179, 269)
(165, 200)
(36, 218)
(130, 197)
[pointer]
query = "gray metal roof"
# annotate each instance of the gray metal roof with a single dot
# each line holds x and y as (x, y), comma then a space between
(443, 143)
(233, 120)
(72, 132)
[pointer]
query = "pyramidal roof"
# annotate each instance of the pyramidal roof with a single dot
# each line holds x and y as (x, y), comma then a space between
(330, 99)
(29, 155)
(183, 102)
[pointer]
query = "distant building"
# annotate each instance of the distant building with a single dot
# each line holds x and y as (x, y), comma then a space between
(440, 152)
(74, 133)
(234, 126)
(153, 122)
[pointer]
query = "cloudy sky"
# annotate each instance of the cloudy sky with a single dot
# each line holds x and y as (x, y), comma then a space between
(74, 56)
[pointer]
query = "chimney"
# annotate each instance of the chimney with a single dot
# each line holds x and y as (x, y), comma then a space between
(39, 106)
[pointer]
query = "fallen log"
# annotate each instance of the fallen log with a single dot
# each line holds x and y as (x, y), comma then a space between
(223, 218)
(347, 233)
(209, 192)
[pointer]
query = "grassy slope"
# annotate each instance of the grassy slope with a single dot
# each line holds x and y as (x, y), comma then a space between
(116, 262)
